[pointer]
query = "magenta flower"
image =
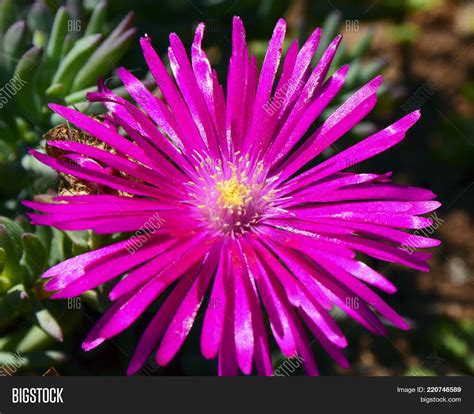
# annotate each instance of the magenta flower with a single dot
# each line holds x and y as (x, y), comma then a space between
(239, 220)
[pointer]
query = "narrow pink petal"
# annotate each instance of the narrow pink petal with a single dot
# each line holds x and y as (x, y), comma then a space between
(158, 324)
(391, 220)
(289, 87)
(94, 339)
(243, 330)
(112, 223)
(318, 75)
(307, 242)
(311, 88)
(113, 204)
(303, 273)
(227, 359)
(289, 66)
(298, 298)
(344, 297)
(388, 234)
(154, 108)
(203, 72)
(294, 130)
(236, 84)
(138, 125)
(367, 148)
(151, 176)
(170, 91)
(101, 132)
(117, 183)
(302, 63)
(126, 314)
(312, 192)
(186, 81)
(340, 122)
(363, 292)
(386, 252)
(289, 224)
(71, 269)
(377, 191)
(150, 139)
(270, 65)
(113, 267)
(262, 349)
(219, 108)
(368, 207)
(303, 346)
(366, 274)
(166, 256)
(272, 296)
(183, 320)
(334, 352)
(265, 82)
(211, 334)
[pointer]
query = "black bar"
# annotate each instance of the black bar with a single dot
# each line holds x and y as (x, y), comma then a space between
(381, 395)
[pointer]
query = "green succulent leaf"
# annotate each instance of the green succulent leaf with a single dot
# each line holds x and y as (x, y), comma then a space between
(33, 339)
(362, 46)
(353, 74)
(52, 56)
(7, 14)
(371, 69)
(107, 55)
(17, 360)
(34, 257)
(43, 318)
(14, 303)
(39, 18)
(69, 42)
(14, 43)
(25, 74)
(329, 30)
(56, 90)
(74, 60)
(97, 20)
(58, 35)
(10, 242)
(5, 284)
(76, 7)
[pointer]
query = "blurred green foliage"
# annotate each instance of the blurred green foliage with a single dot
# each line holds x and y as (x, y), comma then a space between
(49, 53)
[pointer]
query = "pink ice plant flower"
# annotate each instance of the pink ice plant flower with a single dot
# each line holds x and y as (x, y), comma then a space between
(269, 242)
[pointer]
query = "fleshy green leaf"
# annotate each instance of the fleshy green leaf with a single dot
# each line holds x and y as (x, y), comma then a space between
(14, 43)
(39, 18)
(97, 20)
(25, 73)
(58, 35)
(107, 55)
(46, 321)
(15, 361)
(74, 60)
(34, 256)
(7, 14)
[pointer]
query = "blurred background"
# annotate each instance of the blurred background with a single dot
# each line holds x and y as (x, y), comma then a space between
(424, 49)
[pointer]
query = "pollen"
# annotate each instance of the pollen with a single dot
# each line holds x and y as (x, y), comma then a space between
(233, 193)
(231, 197)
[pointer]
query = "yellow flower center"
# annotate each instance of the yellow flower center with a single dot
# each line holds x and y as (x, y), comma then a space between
(231, 199)
(232, 192)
